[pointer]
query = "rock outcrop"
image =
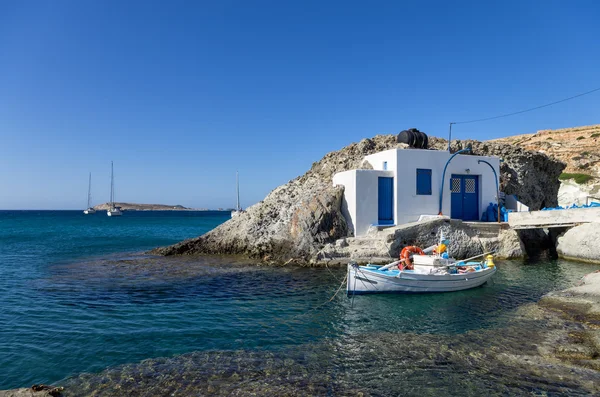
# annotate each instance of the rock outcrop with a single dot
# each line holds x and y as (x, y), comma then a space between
(571, 192)
(466, 241)
(581, 243)
(578, 148)
(296, 220)
(579, 306)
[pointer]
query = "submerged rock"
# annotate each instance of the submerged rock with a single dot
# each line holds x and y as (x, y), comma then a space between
(34, 391)
(496, 362)
(297, 220)
(580, 243)
(578, 344)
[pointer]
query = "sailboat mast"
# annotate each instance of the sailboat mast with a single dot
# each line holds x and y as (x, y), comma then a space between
(237, 187)
(90, 191)
(112, 185)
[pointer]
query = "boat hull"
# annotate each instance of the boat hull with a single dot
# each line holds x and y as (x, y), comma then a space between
(89, 211)
(362, 280)
(114, 213)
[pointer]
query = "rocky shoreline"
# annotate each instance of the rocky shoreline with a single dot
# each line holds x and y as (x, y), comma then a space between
(301, 222)
(579, 306)
(580, 243)
(466, 240)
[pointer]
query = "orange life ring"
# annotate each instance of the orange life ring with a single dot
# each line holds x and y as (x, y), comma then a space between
(405, 261)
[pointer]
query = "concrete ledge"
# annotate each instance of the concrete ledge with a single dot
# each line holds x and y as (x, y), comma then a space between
(553, 218)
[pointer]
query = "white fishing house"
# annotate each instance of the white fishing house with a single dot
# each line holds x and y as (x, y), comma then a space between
(405, 185)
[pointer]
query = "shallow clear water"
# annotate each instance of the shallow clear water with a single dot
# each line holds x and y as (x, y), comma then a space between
(78, 296)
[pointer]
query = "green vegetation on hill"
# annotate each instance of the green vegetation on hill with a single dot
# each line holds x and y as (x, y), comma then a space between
(579, 178)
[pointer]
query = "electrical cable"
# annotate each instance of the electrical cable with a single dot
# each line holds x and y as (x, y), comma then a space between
(526, 110)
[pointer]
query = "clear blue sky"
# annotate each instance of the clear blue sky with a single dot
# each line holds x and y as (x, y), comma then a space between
(182, 94)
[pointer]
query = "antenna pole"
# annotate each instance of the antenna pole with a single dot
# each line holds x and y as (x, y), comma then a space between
(450, 135)
(112, 184)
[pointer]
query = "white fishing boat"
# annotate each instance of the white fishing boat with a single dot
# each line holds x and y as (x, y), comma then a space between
(90, 209)
(238, 210)
(417, 272)
(112, 209)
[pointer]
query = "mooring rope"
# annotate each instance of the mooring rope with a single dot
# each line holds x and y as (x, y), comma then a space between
(353, 293)
(373, 285)
(330, 272)
(288, 322)
(324, 303)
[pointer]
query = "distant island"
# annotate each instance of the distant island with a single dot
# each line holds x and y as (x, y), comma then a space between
(143, 207)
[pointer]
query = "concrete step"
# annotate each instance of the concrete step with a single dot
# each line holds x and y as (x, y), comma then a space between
(487, 229)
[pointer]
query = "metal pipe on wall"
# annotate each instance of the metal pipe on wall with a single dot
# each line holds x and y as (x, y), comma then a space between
(444, 173)
(497, 186)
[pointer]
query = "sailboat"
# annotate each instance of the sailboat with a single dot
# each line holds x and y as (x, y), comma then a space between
(112, 210)
(90, 209)
(238, 210)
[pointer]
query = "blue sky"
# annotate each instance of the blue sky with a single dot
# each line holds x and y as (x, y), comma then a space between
(181, 94)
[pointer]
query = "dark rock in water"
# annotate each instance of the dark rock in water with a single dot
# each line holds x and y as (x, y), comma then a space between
(34, 391)
(298, 219)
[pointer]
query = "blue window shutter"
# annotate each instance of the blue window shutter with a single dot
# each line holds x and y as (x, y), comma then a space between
(423, 181)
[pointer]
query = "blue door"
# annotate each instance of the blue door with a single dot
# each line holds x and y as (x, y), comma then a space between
(464, 197)
(386, 201)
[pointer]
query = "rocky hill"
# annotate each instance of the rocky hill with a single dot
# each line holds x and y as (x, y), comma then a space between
(142, 207)
(296, 220)
(578, 148)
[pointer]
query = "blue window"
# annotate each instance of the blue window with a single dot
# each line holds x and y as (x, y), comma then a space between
(423, 181)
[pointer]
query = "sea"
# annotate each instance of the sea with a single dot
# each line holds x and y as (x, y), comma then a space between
(84, 305)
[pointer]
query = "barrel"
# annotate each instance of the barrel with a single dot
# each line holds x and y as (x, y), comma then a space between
(413, 138)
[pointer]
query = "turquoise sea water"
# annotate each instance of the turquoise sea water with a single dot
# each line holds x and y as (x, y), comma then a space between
(81, 304)
(60, 311)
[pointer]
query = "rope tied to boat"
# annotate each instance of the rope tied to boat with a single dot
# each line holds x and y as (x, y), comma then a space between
(318, 306)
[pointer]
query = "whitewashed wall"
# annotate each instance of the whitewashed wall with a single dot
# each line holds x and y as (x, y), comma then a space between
(361, 194)
(367, 199)
(361, 186)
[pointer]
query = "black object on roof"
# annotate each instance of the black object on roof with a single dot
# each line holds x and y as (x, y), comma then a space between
(414, 138)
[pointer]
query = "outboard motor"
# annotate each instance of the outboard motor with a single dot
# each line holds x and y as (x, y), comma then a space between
(413, 138)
